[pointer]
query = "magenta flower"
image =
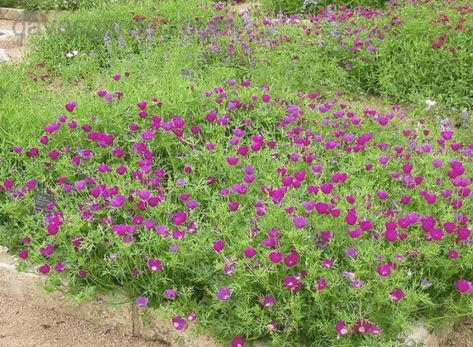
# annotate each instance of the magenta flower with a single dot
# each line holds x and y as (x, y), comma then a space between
(249, 252)
(179, 218)
(300, 222)
(70, 106)
(269, 301)
(218, 246)
(141, 301)
(292, 259)
(60, 267)
(118, 201)
(178, 322)
(327, 263)
(275, 257)
(321, 284)
(224, 294)
(238, 341)
(170, 294)
(155, 265)
(23, 254)
(292, 284)
(396, 295)
(44, 269)
(384, 270)
(341, 328)
(464, 286)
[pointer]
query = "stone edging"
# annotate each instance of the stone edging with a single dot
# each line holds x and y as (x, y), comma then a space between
(24, 286)
(16, 14)
(27, 287)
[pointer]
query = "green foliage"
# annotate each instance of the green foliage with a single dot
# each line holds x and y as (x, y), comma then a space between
(177, 66)
(313, 6)
(56, 4)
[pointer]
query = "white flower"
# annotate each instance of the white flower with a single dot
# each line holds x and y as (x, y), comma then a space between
(74, 52)
(69, 55)
(430, 103)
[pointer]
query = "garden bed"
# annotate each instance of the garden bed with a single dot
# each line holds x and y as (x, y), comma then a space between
(206, 163)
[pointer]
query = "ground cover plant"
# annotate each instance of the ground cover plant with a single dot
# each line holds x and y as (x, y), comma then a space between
(55, 4)
(219, 169)
(312, 6)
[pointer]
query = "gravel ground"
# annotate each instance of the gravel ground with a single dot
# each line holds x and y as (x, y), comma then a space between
(25, 325)
(462, 335)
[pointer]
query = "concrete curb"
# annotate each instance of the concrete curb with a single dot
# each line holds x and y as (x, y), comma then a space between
(24, 286)
(25, 15)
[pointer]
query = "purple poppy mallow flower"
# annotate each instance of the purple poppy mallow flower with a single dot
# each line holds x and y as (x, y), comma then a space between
(300, 222)
(292, 284)
(47, 251)
(396, 295)
(44, 269)
(238, 341)
(178, 322)
(384, 270)
(275, 257)
(249, 252)
(224, 294)
(351, 252)
(292, 259)
(70, 106)
(60, 267)
(23, 254)
(170, 294)
(141, 301)
(218, 246)
(179, 218)
(118, 201)
(155, 264)
(269, 301)
(321, 284)
(464, 286)
(341, 328)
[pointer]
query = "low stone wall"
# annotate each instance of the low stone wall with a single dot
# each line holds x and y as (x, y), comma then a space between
(25, 15)
(28, 287)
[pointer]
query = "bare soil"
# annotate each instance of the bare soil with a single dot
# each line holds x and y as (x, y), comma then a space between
(25, 325)
(462, 335)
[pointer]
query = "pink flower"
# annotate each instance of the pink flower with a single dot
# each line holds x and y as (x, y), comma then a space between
(292, 259)
(238, 341)
(292, 284)
(44, 269)
(155, 264)
(384, 270)
(300, 222)
(178, 322)
(464, 286)
(341, 328)
(224, 294)
(249, 252)
(275, 257)
(269, 301)
(321, 284)
(141, 301)
(179, 218)
(396, 295)
(218, 246)
(70, 106)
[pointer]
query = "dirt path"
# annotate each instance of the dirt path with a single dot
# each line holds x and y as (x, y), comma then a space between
(25, 325)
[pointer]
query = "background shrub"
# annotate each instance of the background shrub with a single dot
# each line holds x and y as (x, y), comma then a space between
(311, 6)
(56, 4)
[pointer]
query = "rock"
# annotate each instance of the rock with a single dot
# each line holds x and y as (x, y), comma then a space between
(3, 57)
(421, 335)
